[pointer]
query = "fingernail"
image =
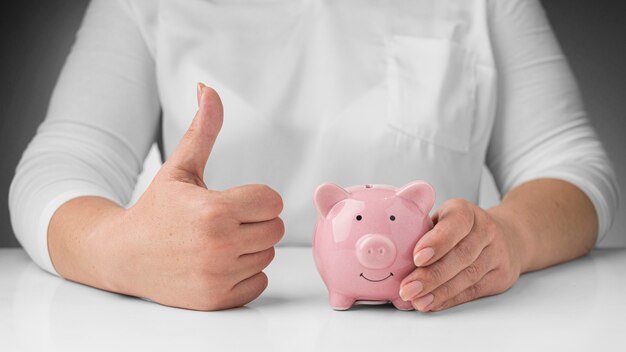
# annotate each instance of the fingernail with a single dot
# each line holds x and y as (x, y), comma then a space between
(423, 302)
(200, 86)
(410, 290)
(423, 256)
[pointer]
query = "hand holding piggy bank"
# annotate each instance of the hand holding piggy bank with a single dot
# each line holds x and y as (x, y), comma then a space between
(364, 240)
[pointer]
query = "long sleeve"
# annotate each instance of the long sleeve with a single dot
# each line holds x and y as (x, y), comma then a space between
(101, 122)
(540, 128)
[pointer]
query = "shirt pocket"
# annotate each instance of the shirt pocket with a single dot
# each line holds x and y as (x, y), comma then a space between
(431, 90)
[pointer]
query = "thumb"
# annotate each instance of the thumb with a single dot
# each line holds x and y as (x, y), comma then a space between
(193, 150)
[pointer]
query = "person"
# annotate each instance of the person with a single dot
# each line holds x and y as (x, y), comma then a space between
(342, 91)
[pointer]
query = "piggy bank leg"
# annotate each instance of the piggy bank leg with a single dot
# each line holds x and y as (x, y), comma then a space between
(339, 301)
(401, 305)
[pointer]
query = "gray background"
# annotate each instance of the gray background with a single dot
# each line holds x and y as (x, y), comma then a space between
(35, 37)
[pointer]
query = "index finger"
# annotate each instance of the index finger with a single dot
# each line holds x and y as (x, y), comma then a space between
(254, 203)
(455, 220)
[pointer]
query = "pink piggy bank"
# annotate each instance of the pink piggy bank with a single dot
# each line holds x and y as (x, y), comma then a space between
(364, 240)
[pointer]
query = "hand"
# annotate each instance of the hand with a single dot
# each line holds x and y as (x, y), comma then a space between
(186, 246)
(468, 254)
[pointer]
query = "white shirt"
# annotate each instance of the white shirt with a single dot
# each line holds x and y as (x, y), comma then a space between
(348, 91)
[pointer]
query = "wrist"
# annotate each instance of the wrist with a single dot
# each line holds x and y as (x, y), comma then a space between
(82, 239)
(511, 225)
(108, 247)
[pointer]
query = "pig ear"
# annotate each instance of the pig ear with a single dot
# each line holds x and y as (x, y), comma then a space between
(327, 195)
(420, 193)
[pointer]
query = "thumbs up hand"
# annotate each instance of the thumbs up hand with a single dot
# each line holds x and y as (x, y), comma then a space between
(191, 247)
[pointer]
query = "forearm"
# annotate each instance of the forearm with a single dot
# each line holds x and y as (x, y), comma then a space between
(81, 235)
(550, 220)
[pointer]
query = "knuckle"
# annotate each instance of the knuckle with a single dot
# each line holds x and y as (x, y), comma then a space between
(462, 211)
(473, 271)
(460, 205)
(264, 195)
(435, 274)
(464, 252)
(444, 291)
(473, 291)
(467, 216)
(491, 228)
(216, 208)
(273, 199)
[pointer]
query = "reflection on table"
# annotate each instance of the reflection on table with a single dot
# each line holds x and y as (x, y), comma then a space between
(575, 306)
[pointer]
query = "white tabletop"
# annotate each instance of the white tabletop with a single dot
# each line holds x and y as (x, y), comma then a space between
(578, 306)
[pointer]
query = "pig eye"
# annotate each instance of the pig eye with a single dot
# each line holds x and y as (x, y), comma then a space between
(392, 218)
(359, 217)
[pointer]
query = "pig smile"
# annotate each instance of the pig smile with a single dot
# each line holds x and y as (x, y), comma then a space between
(388, 276)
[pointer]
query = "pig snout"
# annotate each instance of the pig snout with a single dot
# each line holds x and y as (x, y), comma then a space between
(375, 251)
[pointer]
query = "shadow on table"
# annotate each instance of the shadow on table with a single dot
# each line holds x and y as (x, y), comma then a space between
(55, 314)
